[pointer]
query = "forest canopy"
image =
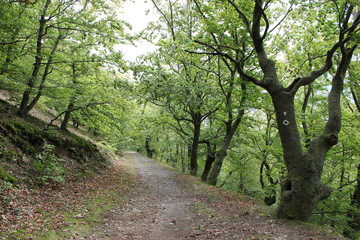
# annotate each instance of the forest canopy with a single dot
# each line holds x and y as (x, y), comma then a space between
(258, 97)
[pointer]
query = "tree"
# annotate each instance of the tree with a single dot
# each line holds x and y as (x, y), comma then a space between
(183, 92)
(302, 188)
(64, 28)
(182, 84)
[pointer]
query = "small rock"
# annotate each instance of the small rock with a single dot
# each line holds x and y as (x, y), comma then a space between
(25, 159)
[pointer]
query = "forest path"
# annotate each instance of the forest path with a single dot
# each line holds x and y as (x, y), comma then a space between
(158, 209)
(168, 205)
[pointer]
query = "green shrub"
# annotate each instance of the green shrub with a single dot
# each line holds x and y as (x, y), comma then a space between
(49, 167)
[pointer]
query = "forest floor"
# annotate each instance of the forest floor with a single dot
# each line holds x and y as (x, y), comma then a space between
(140, 198)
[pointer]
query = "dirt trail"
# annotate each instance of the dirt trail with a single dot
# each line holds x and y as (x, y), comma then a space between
(168, 205)
(159, 209)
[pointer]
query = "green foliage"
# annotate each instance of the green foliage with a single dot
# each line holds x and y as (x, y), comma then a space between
(49, 167)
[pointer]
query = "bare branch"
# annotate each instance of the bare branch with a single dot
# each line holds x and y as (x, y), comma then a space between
(281, 20)
(168, 21)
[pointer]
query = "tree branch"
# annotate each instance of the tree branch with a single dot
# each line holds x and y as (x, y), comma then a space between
(357, 104)
(75, 109)
(237, 63)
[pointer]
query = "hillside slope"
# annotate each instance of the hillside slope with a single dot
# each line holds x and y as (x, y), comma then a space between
(40, 160)
(33, 153)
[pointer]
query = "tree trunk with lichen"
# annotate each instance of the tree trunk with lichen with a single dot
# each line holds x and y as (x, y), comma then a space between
(302, 189)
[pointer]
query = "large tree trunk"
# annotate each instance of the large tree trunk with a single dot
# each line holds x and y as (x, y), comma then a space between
(302, 188)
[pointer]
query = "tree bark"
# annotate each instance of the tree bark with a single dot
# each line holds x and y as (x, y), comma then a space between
(354, 216)
(67, 114)
(72, 102)
(210, 158)
(47, 71)
(149, 151)
(23, 109)
(220, 155)
(302, 189)
(195, 143)
(231, 127)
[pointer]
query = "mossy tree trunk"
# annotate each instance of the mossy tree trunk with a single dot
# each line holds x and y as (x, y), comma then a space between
(302, 188)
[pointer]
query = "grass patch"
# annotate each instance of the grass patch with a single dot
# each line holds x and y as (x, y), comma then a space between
(204, 210)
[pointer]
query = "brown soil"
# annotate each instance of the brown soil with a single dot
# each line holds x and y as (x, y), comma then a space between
(169, 205)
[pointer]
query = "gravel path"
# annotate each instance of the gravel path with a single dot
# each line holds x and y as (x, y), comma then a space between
(168, 205)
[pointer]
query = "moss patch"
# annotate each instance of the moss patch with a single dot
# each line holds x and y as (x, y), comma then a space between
(7, 177)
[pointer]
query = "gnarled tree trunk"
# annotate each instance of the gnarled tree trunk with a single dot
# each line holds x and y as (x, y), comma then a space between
(302, 189)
